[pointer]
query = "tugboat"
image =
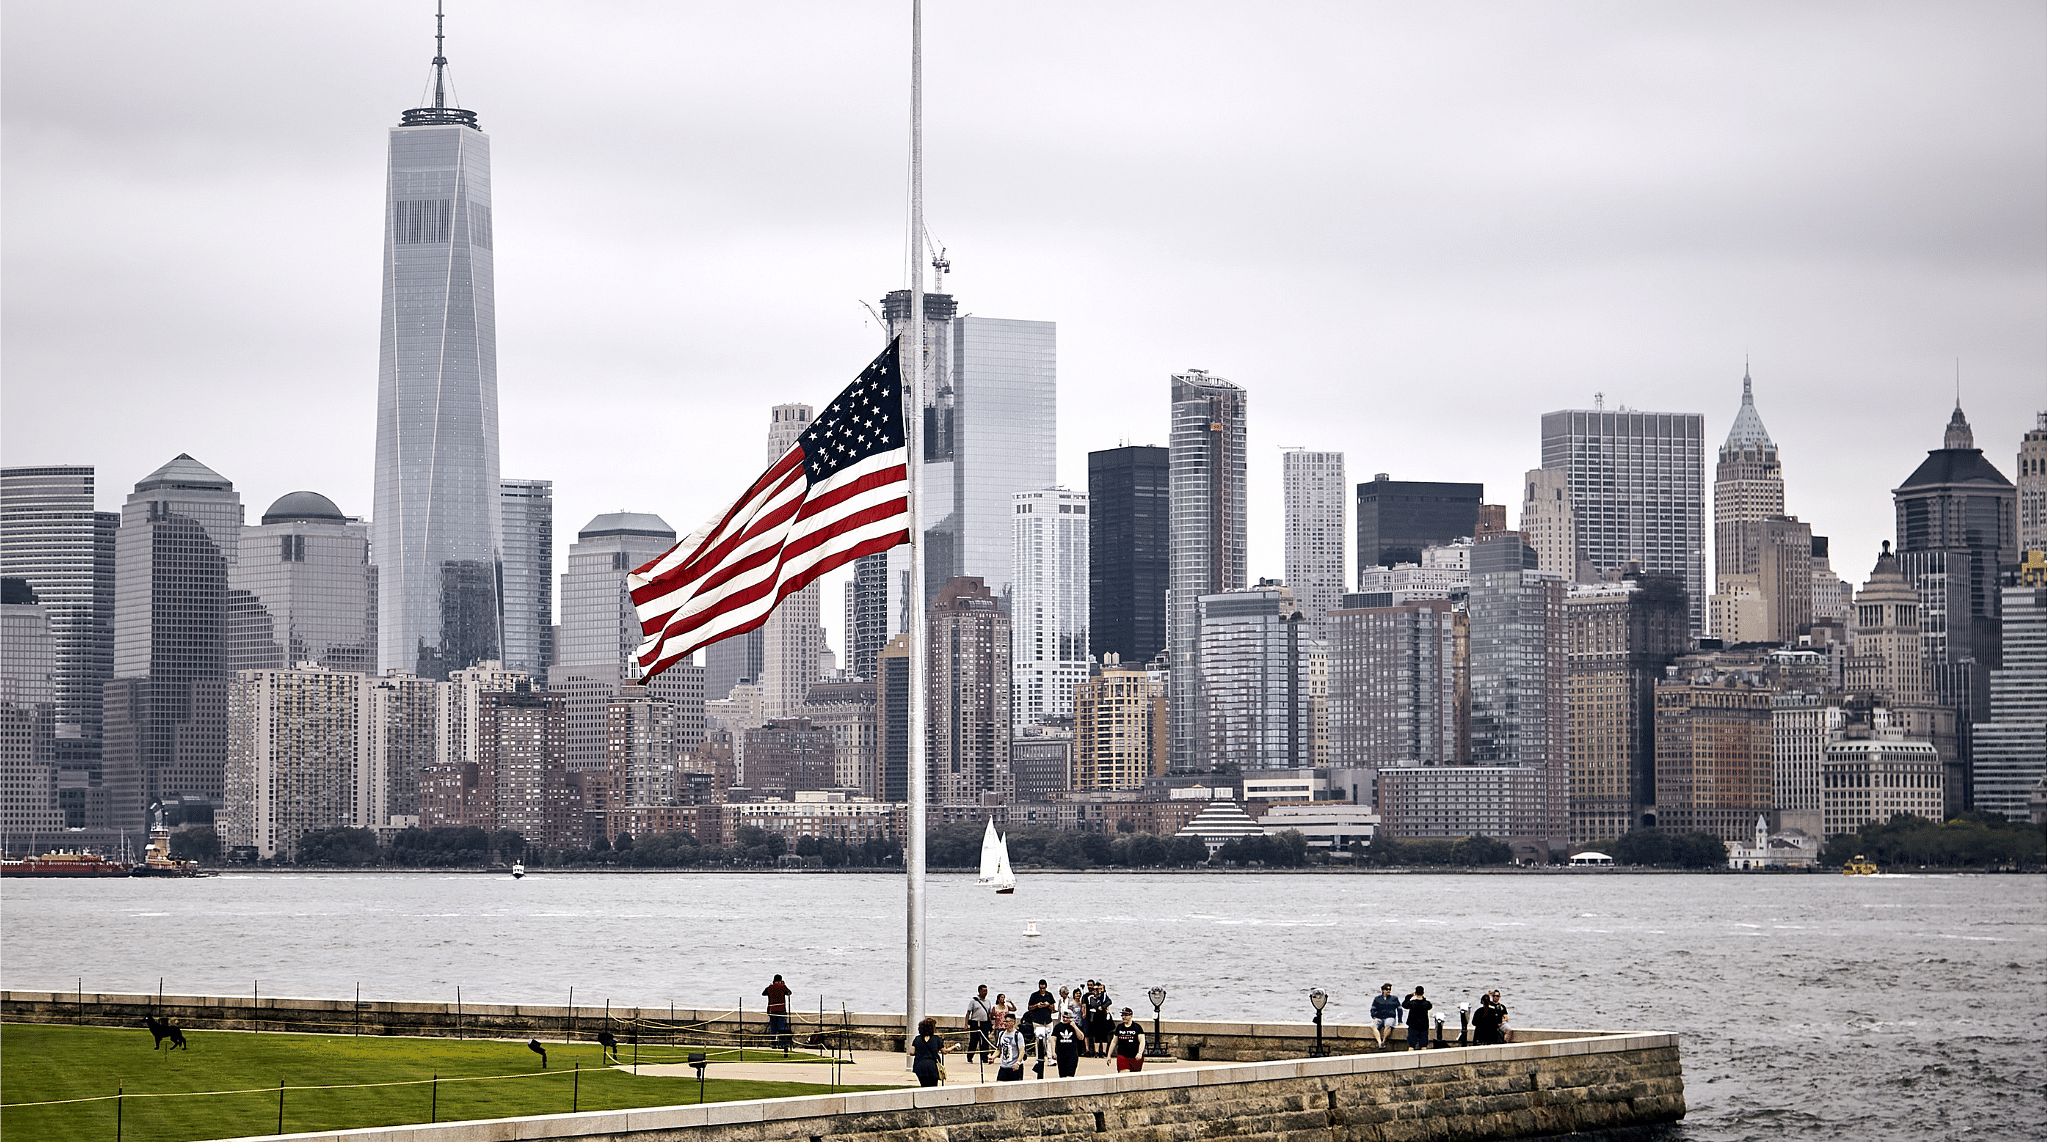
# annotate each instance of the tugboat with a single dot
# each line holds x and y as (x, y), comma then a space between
(518, 869)
(1859, 867)
(158, 861)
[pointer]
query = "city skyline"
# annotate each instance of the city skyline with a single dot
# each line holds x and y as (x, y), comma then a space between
(1702, 223)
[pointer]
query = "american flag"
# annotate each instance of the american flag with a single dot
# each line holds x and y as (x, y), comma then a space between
(839, 493)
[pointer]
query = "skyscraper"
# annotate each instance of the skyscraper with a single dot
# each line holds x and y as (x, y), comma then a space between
(1398, 518)
(1119, 729)
(1548, 523)
(1048, 604)
(1749, 486)
(1255, 688)
(1620, 637)
(967, 687)
(2009, 753)
(299, 757)
(731, 661)
(1958, 526)
(867, 615)
(301, 590)
(1127, 552)
(51, 538)
(991, 409)
(1635, 481)
(600, 630)
(1399, 693)
(2031, 475)
(435, 534)
(167, 706)
(1206, 534)
(791, 639)
(1312, 495)
(1519, 668)
(28, 700)
(526, 511)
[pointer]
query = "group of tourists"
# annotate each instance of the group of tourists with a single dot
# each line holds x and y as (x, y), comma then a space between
(1064, 1026)
(1489, 1017)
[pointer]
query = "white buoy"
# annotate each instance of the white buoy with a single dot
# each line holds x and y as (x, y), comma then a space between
(1030, 927)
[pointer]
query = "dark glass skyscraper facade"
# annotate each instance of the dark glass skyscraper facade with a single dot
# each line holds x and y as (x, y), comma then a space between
(436, 520)
(166, 708)
(1127, 552)
(1398, 518)
(527, 541)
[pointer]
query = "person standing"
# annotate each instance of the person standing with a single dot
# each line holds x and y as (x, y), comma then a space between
(1128, 1039)
(1486, 1020)
(778, 1012)
(1066, 1044)
(1386, 1013)
(1009, 1050)
(980, 1025)
(1418, 1019)
(1099, 1022)
(927, 1053)
(1039, 1011)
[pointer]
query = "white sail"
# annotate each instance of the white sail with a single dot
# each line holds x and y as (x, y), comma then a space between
(992, 851)
(1004, 878)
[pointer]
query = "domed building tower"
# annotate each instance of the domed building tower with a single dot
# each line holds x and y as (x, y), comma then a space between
(1958, 526)
(303, 590)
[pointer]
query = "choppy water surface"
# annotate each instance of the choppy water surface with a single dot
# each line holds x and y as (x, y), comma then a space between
(1869, 1008)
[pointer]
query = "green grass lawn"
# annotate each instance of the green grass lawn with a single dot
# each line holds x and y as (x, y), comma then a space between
(45, 1063)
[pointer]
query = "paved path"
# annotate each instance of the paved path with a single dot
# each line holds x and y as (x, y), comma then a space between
(877, 1068)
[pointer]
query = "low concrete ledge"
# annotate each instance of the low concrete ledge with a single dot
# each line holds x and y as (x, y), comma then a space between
(1467, 1093)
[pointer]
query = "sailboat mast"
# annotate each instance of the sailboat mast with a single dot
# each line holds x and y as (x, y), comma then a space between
(911, 361)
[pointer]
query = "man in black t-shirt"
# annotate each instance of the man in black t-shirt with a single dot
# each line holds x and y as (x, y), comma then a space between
(1418, 1019)
(1128, 1044)
(1038, 1011)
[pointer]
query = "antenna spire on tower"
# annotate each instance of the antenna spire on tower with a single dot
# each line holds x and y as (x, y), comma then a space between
(440, 58)
(440, 114)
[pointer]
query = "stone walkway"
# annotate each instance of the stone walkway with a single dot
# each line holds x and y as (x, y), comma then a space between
(877, 1068)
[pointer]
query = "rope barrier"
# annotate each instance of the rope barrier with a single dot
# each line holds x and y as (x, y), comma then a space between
(275, 1089)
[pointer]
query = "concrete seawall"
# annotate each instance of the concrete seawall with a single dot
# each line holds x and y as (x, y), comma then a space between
(1548, 1082)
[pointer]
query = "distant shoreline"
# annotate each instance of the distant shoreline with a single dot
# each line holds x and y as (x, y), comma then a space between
(1546, 870)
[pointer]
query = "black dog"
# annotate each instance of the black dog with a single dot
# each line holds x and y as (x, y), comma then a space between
(162, 1029)
(610, 1043)
(534, 1046)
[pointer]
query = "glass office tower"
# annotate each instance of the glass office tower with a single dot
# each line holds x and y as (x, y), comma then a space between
(1206, 531)
(435, 535)
(526, 537)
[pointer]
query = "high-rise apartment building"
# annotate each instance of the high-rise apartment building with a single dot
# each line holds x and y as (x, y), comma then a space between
(522, 785)
(1958, 527)
(2009, 753)
(435, 534)
(52, 539)
(641, 757)
(526, 513)
(892, 717)
(967, 696)
(1206, 537)
(301, 589)
(600, 630)
(1256, 712)
(1715, 762)
(1119, 729)
(1399, 694)
(167, 707)
(1519, 669)
(791, 639)
(1620, 638)
(404, 714)
(1048, 603)
(1398, 518)
(848, 711)
(1635, 481)
(1128, 565)
(1548, 523)
(1803, 721)
(788, 756)
(28, 707)
(2030, 476)
(1312, 529)
(299, 758)
(991, 410)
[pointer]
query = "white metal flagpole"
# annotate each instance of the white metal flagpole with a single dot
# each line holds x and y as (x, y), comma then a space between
(910, 359)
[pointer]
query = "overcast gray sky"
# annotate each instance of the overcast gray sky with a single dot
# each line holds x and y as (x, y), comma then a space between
(1408, 230)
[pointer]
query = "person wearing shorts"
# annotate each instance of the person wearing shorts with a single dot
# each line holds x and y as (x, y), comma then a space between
(1128, 1041)
(1386, 1013)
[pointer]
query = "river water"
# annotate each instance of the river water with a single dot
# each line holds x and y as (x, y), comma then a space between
(1812, 1007)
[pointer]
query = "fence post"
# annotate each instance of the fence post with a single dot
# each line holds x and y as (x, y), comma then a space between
(80, 1019)
(434, 1099)
(118, 1101)
(280, 1104)
(576, 1089)
(571, 1032)
(359, 1009)
(458, 1011)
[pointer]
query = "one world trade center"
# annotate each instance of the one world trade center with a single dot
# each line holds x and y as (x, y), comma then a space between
(434, 536)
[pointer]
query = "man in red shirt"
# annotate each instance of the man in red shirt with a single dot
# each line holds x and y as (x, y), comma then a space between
(778, 1012)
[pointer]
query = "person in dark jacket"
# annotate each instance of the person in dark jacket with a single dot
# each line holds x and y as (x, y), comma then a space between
(1386, 1013)
(1488, 1020)
(927, 1051)
(1418, 1019)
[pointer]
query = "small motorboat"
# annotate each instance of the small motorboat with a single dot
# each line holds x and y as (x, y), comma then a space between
(518, 869)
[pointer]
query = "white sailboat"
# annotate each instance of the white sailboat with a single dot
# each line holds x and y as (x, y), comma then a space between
(995, 862)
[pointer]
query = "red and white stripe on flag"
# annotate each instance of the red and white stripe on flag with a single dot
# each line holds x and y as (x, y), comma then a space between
(839, 493)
